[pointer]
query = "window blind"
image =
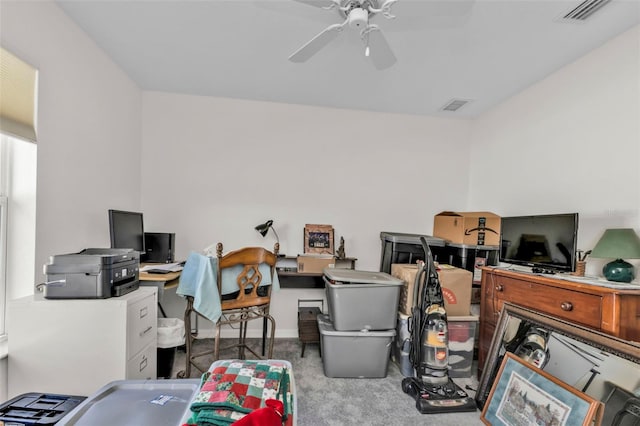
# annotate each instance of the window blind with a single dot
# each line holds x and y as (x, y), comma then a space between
(18, 91)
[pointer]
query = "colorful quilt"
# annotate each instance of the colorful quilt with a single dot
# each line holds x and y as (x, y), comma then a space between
(237, 387)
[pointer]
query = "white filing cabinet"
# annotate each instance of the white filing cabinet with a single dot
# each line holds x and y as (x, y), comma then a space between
(76, 346)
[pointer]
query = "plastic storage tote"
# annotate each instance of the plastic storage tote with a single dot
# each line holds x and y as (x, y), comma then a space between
(407, 248)
(354, 354)
(362, 300)
(401, 346)
(136, 403)
(462, 337)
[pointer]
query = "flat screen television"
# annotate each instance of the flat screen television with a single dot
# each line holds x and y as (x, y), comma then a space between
(544, 241)
(126, 230)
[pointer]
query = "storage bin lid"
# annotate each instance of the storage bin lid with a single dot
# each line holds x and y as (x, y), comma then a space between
(472, 246)
(326, 329)
(464, 318)
(136, 402)
(397, 237)
(347, 276)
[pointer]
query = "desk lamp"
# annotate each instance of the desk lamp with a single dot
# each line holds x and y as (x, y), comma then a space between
(263, 229)
(618, 244)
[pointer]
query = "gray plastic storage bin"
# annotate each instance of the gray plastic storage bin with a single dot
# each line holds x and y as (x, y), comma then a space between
(360, 300)
(136, 403)
(354, 354)
(401, 346)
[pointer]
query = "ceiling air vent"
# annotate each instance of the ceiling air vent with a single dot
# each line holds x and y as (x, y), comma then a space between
(584, 10)
(454, 105)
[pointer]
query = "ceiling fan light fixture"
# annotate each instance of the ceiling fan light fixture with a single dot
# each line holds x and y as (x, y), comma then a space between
(358, 18)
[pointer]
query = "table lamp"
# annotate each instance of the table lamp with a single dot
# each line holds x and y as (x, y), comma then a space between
(618, 244)
(263, 229)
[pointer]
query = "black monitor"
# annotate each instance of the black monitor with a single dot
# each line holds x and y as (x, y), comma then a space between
(546, 241)
(126, 230)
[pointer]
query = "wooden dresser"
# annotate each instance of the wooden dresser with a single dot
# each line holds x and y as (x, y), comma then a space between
(610, 310)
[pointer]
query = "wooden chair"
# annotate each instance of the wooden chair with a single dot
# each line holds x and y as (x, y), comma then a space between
(250, 302)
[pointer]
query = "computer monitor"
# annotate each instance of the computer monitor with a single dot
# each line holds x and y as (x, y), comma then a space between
(126, 230)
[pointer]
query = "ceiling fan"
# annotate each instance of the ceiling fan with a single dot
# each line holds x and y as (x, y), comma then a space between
(356, 15)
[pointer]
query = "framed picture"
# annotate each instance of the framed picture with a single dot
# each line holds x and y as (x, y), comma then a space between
(525, 395)
(318, 239)
(565, 359)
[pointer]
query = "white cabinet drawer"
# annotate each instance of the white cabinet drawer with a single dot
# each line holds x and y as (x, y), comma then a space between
(144, 364)
(142, 324)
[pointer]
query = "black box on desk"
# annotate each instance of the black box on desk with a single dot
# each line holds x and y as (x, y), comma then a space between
(38, 408)
(159, 247)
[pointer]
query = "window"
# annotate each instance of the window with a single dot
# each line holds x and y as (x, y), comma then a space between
(3, 260)
(18, 119)
(3, 234)
(18, 160)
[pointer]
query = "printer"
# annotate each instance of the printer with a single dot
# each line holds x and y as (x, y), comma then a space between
(93, 273)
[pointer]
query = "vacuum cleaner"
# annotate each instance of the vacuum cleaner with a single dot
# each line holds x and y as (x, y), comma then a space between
(432, 388)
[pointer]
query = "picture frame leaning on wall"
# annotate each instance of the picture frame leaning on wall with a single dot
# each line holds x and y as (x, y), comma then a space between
(524, 394)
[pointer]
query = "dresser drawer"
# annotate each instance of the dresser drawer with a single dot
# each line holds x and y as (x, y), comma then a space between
(144, 364)
(574, 306)
(142, 324)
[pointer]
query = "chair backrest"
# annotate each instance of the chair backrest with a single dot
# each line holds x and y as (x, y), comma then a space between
(250, 277)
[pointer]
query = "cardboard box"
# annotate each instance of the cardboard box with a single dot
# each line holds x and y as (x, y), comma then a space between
(472, 228)
(315, 263)
(455, 282)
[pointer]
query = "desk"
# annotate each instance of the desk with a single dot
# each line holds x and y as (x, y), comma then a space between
(161, 281)
(287, 269)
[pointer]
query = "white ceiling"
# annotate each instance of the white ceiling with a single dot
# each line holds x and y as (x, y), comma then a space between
(482, 50)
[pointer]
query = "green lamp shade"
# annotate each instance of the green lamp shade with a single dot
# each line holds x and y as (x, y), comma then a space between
(618, 244)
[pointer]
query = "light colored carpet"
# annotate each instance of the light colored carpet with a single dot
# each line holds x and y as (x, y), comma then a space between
(336, 401)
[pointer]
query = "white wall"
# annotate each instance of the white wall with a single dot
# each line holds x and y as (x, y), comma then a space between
(361, 172)
(89, 128)
(570, 143)
(89, 131)
(542, 151)
(215, 168)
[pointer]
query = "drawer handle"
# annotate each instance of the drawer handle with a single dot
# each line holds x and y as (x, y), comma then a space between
(499, 287)
(142, 333)
(143, 312)
(143, 364)
(566, 306)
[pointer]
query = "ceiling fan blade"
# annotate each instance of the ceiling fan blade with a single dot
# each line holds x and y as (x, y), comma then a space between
(381, 54)
(320, 3)
(315, 44)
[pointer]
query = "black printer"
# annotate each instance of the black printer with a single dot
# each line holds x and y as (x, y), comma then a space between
(93, 273)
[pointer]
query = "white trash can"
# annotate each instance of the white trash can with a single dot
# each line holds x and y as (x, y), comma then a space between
(170, 336)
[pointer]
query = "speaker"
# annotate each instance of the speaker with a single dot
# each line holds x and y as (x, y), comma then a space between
(159, 247)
